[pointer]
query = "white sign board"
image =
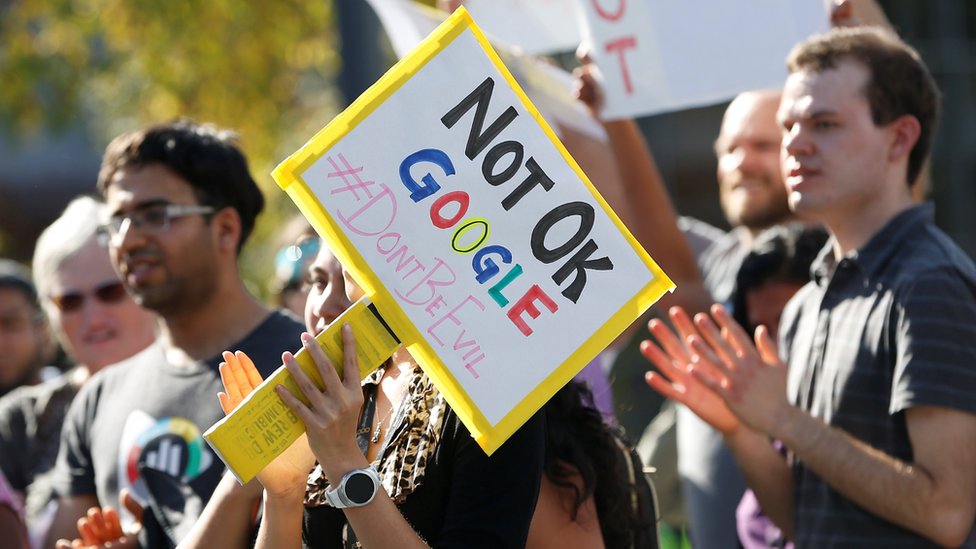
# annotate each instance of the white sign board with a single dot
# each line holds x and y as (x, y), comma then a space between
(533, 26)
(664, 56)
(472, 230)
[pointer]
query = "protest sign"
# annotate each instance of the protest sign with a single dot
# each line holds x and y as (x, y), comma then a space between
(534, 26)
(550, 88)
(476, 235)
(664, 56)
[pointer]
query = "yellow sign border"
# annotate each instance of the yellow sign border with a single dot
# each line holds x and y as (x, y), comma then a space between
(288, 176)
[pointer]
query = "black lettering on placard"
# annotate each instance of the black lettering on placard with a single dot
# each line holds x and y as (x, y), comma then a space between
(580, 263)
(494, 155)
(538, 241)
(478, 139)
(536, 177)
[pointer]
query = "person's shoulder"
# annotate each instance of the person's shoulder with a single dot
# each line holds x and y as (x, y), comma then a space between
(928, 257)
(124, 370)
(279, 324)
(31, 396)
(701, 236)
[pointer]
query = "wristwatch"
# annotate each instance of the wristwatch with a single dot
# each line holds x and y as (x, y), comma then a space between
(357, 488)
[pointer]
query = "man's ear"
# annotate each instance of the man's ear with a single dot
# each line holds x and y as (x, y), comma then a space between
(227, 229)
(905, 131)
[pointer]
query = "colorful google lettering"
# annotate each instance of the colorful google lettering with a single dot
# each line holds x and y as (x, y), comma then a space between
(475, 231)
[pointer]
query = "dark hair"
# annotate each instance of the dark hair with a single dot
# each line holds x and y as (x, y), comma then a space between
(579, 444)
(782, 253)
(16, 276)
(899, 83)
(206, 157)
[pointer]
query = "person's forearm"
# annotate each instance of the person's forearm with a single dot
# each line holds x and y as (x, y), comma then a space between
(902, 493)
(766, 472)
(395, 533)
(228, 518)
(281, 525)
(655, 224)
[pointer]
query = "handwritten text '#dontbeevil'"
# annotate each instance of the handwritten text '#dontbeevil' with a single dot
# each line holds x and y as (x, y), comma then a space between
(491, 262)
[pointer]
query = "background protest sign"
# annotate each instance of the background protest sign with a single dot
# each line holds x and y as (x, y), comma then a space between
(408, 22)
(475, 234)
(665, 56)
(534, 26)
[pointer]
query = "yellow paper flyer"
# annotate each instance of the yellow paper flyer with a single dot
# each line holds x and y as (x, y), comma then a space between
(262, 427)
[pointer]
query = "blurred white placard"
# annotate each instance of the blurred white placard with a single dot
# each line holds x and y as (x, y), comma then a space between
(407, 22)
(665, 56)
(534, 26)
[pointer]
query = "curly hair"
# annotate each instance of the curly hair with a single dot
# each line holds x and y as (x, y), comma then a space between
(580, 445)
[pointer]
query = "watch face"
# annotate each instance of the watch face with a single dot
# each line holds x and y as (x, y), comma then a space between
(359, 488)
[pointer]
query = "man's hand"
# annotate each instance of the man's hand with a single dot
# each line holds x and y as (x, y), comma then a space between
(677, 365)
(751, 380)
(100, 528)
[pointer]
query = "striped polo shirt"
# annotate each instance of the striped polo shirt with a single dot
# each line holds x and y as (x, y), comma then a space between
(888, 327)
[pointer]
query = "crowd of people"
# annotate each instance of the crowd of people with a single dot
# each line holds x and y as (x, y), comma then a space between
(815, 358)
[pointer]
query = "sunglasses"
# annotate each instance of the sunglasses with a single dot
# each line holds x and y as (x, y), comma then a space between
(108, 292)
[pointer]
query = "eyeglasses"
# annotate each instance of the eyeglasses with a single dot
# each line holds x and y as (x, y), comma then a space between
(154, 218)
(108, 292)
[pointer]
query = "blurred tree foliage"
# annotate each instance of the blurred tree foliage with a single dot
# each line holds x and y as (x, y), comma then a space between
(265, 69)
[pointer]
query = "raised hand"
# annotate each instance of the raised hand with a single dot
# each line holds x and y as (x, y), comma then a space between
(587, 87)
(100, 528)
(679, 381)
(287, 472)
(751, 378)
(332, 413)
(239, 376)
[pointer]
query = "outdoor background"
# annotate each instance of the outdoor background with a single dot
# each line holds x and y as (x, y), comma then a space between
(74, 73)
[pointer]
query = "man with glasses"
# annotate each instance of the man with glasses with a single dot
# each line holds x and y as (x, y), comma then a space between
(97, 324)
(181, 203)
(25, 343)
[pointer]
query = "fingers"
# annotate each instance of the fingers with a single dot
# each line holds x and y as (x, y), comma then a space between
(668, 342)
(113, 526)
(251, 372)
(131, 505)
(707, 361)
(308, 388)
(682, 323)
(718, 350)
(88, 536)
(767, 347)
(734, 334)
(228, 377)
(660, 384)
(226, 404)
(327, 371)
(296, 406)
(62, 544)
(663, 362)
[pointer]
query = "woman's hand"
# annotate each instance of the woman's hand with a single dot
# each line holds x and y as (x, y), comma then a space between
(332, 414)
(287, 473)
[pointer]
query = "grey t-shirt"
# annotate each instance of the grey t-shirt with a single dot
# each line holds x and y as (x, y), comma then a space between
(30, 433)
(138, 425)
